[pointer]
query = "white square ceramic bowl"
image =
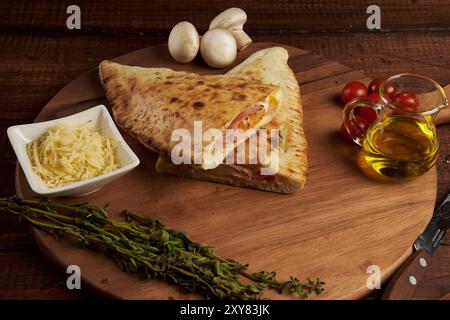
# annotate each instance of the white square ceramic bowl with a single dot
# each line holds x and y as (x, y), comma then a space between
(21, 135)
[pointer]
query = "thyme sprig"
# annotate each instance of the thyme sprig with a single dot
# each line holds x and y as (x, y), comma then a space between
(144, 245)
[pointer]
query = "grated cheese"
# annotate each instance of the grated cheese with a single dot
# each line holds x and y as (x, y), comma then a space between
(65, 154)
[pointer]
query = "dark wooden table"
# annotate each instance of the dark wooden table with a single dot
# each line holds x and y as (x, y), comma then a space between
(39, 55)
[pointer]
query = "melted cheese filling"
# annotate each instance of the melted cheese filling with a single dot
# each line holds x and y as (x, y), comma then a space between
(265, 112)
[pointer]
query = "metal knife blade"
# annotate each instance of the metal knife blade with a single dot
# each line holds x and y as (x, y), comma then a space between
(436, 229)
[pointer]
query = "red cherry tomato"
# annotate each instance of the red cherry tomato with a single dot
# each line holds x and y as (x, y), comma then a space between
(354, 89)
(390, 89)
(374, 85)
(406, 101)
(354, 128)
(367, 113)
(374, 96)
(361, 123)
(344, 135)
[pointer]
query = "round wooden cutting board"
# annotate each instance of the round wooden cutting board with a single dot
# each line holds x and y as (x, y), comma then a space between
(338, 226)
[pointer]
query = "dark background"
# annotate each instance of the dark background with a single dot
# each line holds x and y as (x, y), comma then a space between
(39, 56)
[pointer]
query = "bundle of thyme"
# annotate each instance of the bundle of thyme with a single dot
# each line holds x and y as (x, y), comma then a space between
(144, 245)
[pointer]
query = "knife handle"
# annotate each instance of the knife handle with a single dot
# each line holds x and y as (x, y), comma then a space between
(404, 283)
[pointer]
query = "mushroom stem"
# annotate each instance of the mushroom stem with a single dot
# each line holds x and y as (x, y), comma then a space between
(242, 39)
(233, 20)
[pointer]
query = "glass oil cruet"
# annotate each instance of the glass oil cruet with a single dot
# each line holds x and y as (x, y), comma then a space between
(402, 142)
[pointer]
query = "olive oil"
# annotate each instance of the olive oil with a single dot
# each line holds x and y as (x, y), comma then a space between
(401, 147)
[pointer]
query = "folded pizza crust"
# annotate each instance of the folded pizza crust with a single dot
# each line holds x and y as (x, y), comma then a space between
(151, 103)
(270, 67)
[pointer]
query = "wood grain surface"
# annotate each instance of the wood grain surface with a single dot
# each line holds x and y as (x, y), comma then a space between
(38, 56)
(318, 232)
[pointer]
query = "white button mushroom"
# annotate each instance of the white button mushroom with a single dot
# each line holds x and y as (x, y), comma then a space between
(218, 48)
(184, 42)
(233, 20)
